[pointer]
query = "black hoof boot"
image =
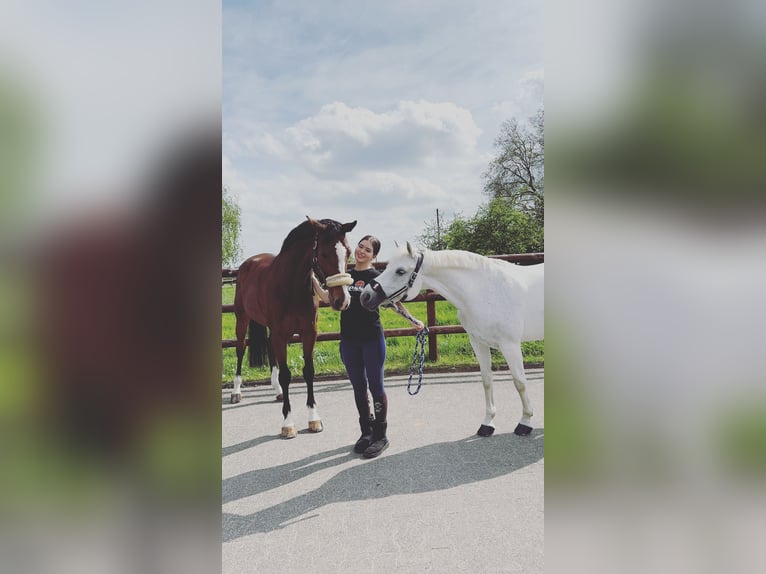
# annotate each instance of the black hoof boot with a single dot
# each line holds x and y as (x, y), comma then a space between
(485, 430)
(522, 430)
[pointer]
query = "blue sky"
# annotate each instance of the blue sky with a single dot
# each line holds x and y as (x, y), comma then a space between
(379, 112)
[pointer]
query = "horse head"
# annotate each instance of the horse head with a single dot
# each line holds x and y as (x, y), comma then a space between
(331, 253)
(399, 281)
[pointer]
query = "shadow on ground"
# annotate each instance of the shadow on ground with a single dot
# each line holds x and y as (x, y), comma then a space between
(425, 469)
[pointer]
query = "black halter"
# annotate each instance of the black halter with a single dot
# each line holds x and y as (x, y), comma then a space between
(337, 280)
(320, 275)
(395, 296)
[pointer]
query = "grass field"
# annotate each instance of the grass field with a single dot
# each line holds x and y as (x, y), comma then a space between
(454, 350)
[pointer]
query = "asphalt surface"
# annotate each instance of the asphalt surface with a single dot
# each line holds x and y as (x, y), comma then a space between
(439, 499)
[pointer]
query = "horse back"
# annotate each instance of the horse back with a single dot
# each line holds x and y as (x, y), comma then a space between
(511, 305)
(267, 299)
(254, 288)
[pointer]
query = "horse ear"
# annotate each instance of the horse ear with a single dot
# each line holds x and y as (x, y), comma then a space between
(317, 225)
(346, 227)
(396, 243)
(410, 250)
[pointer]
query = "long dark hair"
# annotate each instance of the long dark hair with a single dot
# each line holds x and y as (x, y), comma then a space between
(374, 241)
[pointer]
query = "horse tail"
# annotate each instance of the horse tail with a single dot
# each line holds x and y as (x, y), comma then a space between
(258, 344)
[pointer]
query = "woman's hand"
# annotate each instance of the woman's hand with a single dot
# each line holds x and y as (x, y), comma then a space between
(402, 310)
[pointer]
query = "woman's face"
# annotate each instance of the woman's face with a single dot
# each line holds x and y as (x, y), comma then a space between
(363, 252)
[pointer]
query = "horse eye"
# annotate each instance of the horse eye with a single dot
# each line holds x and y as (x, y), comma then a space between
(400, 271)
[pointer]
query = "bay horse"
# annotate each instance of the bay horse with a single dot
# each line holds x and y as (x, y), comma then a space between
(277, 292)
(499, 305)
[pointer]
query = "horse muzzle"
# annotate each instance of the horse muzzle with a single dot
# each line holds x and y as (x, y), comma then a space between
(373, 295)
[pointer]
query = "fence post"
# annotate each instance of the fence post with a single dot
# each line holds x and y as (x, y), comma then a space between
(433, 352)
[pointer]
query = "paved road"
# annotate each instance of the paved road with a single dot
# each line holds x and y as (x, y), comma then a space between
(440, 499)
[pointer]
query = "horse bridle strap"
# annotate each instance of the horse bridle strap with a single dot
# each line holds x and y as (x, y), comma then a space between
(394, 297)
(337, 280)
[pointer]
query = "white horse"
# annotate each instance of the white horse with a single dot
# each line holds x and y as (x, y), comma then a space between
(499, 305)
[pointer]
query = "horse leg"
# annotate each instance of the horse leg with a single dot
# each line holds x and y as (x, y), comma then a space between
(275, 382)
(288, 426)
(241, 332)
(315, 422)
(512, 353)
(484, 357)
(274, 371)
(280, 356)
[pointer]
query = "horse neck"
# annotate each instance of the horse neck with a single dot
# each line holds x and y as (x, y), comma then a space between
(450, 282)
(295, 263)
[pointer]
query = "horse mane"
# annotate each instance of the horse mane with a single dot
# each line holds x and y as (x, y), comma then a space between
(457, 259)
(300, 233)
(306, 231)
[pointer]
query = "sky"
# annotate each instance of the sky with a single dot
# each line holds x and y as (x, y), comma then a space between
(369, 111)
(109, 87)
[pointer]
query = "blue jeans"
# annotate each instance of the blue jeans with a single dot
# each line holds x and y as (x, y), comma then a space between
(364, 361)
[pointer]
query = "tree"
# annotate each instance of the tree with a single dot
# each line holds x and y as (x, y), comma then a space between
(433, 236)
(231, 228)
(513, 219)
(496, 228)
(518, 172)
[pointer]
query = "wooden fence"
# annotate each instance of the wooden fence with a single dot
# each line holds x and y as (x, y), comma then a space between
(429, 297)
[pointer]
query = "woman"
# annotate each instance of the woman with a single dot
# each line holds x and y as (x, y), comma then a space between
(363, 351)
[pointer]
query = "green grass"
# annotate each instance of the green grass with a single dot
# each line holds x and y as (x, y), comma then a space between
(454, 351)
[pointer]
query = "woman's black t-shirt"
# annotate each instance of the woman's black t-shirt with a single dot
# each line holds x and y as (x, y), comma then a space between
(356, 322)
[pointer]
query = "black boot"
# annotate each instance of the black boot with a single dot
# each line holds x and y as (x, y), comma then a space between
(364, 441)
(379, 441)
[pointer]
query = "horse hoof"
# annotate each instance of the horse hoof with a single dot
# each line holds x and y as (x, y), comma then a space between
(485, 430)
(522, 430)
(279, 398)
(288, 432)
(315, 426)
(235, 398)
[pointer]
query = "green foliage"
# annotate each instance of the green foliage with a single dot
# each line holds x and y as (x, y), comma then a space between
(433, 236)
(497, 228)
(676, 143)
(741, 437)
(231, 228)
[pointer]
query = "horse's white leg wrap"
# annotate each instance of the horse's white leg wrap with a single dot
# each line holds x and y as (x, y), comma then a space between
(236, 393)
(275, 380)
(484, 358)
(512, 354)
(315, 421)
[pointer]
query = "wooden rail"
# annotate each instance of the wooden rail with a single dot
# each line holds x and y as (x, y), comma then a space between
(429, 297)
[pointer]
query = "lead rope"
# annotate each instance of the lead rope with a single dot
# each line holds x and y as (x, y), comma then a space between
(420, 342)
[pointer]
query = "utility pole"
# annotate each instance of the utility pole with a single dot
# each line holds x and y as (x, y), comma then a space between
(438, 231)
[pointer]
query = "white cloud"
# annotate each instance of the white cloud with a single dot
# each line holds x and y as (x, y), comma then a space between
(340, 137)
(527, 97)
